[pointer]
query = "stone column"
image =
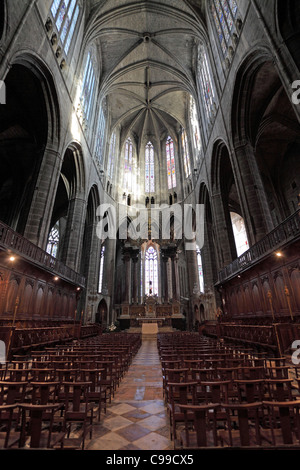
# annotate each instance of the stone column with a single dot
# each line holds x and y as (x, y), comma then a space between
(127, 280)
(256, 209)
(175, 287)
(39, 217)
(164, 280)
(72, 243)
(226, 250)
(192, 269)
(134, 261)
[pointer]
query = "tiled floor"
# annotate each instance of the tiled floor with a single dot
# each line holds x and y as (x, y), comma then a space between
(136, 419)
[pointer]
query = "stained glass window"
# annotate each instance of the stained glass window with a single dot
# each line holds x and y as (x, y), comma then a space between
(186, 154)
(149, 169)
(65, 14)
(151, 272)
(171, 169)
(88, 88)
(111, 156)
(53, 241)
(128, 157)
(206, 85)
(200, 270)
(101, 135)
(101, 269)
(224, 14)
(195, 126)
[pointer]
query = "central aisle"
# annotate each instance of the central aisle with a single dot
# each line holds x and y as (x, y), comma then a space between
(137, 418)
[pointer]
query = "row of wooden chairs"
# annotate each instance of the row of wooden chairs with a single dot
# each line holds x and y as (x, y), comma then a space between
(212, 390)
(26, 424)
(52, 398)
(258, 425)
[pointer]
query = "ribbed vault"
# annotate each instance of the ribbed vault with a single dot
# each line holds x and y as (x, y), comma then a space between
(147, 55)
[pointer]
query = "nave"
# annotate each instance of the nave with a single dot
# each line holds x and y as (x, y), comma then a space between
(176, 390)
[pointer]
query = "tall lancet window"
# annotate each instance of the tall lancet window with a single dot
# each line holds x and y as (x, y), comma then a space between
(128, 157)
(200, 270)
(206, 85)
(65, 14)
(171, 169)
(88, 88)
(186, 154)
(53, 241)
(195, 126)
(111, 156)
(224, 14)
(151, 272)
(149, 169)
(100, 135)
(102, 255)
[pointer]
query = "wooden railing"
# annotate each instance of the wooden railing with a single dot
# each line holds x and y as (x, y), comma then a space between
(90, 330)
(285, 232)
(11, 240)
(275, 337)
(254, 336)
(24, 340)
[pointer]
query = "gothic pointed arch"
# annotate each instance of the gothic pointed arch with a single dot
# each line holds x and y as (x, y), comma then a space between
(30, 129)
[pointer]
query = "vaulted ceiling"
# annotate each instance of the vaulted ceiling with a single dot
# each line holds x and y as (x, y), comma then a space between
(147, 57)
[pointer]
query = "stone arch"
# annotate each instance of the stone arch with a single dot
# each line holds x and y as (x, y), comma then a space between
(29, 128)
(91, 243)
(208, 251)
(288, 26)
(69, 208)
(202, 313)
(226, 196)
(244, 81)
(266, 136)
(101, 315)
(196, 315)
(3, 19)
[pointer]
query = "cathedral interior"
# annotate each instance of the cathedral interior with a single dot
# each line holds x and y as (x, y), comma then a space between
(150, 211)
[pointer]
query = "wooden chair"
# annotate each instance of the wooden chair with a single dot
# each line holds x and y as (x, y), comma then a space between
(284, 425)
(107, 378)
(243, 425)
(66, 375)
(41, 375)
(8, 424)
(279, 389)
(252, 373)
(204, 375)
(96, 394)
(12, 392)
(277, 372)
(250, 391)
(179, 394)
(37, 427)
(174, 375)
(78, 411)
(44, 393)
(213, 392)
(17, 375)
(200, 426)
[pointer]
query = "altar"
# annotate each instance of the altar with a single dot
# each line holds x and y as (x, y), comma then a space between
(150, 328)
(150, 312)
(147, 320)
